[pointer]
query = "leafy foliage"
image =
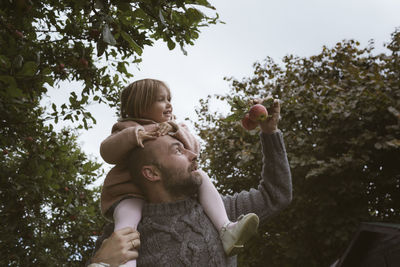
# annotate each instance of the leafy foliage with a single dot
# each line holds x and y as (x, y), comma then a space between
(49, 209)
(240, 108)
(341, 125)
(45, 42)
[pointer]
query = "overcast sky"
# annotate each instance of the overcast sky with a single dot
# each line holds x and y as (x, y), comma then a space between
(253, 31)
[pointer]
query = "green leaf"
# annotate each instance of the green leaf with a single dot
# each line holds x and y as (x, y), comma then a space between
(29, 69)
(171, 44)
(18, 60)
(9, 80)
(234, 117)
(268, 102)
(132, 43)
(121, 67)
(101, 47)
(183, 50)
(107, 35)
(4, 61)
(49, 80)
(46, 71)
(160, 15)
(12, 90)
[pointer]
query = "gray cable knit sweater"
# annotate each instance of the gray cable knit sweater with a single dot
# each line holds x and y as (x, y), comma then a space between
(181, 234)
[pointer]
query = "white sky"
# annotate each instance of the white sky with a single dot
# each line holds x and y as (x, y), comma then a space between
(253, 31)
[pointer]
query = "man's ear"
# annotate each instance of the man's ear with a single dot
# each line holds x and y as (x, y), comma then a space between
(151, 173)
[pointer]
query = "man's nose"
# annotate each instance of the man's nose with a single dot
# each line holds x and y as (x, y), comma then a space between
(191, 156)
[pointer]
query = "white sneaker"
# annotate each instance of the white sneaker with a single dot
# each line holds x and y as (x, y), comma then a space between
(234, 238)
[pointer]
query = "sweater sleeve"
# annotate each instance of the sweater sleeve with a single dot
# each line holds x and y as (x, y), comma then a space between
(275, 189)
(115, 147)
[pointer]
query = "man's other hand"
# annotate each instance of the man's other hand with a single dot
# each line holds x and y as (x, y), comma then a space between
(119, 248)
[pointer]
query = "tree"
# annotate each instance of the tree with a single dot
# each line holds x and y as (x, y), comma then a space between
(49, 209)
(341, 125)
(45, 42)
(49, 212)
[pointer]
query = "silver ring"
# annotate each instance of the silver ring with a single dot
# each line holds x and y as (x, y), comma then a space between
(133, 243)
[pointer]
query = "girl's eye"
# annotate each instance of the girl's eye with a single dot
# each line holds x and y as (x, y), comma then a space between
(178, 151)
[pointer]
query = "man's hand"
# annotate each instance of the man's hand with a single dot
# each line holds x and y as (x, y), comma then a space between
(270, 125)
(119, 248)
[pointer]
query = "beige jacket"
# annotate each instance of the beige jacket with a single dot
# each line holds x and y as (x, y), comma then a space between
(115, 149)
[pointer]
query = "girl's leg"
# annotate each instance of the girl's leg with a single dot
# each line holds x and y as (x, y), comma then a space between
(128, 214)
(212, 203)
(233, 234)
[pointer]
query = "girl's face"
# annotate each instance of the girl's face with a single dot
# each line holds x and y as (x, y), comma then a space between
(161, 109)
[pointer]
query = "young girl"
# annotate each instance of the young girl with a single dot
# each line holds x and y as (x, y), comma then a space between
(146, 113)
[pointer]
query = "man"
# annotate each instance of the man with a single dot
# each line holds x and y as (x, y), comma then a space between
(175, 230)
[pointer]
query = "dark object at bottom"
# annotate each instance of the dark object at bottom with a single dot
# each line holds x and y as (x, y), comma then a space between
(374, 245)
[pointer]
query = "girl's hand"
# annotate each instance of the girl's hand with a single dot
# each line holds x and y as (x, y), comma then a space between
(144, 135)
(164, 128)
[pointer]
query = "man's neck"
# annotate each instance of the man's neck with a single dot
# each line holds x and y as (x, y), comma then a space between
(162, 196)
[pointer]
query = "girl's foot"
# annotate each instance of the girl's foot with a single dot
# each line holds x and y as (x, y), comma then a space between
(235, 235)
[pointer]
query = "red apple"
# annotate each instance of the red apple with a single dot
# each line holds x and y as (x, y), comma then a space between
(84, 62)
(94, 33)
(19, 34)
(248, 124)
(62, 66)
(258, 113)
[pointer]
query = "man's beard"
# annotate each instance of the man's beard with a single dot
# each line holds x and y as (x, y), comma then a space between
(181, 182)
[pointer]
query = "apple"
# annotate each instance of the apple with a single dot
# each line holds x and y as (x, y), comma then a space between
(258, 113)
(62, 66)
(94, 33)
(19, 34)
(84, 62)
(248, 124)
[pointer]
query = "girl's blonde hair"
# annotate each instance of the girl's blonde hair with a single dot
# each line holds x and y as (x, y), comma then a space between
(137, 97)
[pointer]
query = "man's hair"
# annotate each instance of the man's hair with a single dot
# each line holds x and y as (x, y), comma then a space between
(139, 157)
(137, 97)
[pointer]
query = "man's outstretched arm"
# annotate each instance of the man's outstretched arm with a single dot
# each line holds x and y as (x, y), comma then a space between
(275, 189)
